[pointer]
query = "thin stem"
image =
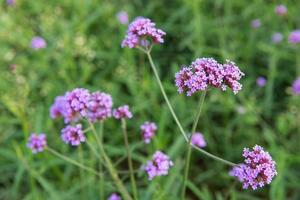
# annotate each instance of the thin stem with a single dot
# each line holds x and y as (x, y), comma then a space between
(133, 184)
(189, 152)
(175, 117)
(100, 163)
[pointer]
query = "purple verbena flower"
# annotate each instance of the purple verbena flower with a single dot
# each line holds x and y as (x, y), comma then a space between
(99, 106)
(232, 74)
(261, 81)
(198, 140)
(114, 196)
(73, 135)
(294, 37)
(257, 170)
(10, 2)
(58, 107)
(37, 143)
(38, 43)
(148, 131)
(296, 86)
(277, 38)
(281, 10)
(159, 165)
(123, 17)
(142, 28)
(255, 23)
(122, 112)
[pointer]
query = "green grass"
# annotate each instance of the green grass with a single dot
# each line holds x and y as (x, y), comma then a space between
(84, 50)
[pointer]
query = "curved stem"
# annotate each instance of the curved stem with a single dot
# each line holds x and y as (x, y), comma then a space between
(189, 152)
(133, 184)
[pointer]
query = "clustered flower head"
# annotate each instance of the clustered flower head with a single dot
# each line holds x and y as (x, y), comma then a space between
(257, 170)
(142, 29)
(296, 86)
(99, 106)
(255, 23)
(38, 43)
(204, 72)
(294, 37)
(73, 135)
(281, 9)
(159, 165)
(261, 81)
(198, 140)
(122, 112)
(114, 196)
(37, 143)
(276, 38)
(122, 17)
(148, 131)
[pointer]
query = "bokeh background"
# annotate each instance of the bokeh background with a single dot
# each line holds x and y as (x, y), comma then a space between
(83, 50)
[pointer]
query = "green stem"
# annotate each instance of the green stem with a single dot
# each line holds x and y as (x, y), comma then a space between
(133, 184)
(189, 152)
(100, 163)
(176, 119)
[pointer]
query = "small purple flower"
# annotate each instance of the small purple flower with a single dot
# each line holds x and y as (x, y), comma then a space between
(114, 196)
(37, 143)
(58, 107)
(73, 135)
(159, 165)
(122, 112)
(232, 74)
(198, 140)
(261, 81)
(296, 86)
(148, 131)
(277, 38)
(38, 43)
(281, 10)
(294, 37)
(255, 23)
(99, 106)
(142, 28)
(10, 2)
(257, 170)
(123, 17)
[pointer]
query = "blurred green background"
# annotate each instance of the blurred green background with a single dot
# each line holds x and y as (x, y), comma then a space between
(83, 50)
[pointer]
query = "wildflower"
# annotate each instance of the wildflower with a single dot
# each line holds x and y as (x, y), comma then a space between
(232, 76)
(58, 107)
(114, 196)
(99, 106)
(158, 166)
(296, 86)
(294, 37)
(10, 2)
(38, 43)
(37, 143)
(122, 112)
(148, 131)
(280, 10)
(73, 135)
(255, 23)
(198, 140)
(122, 17)
(257, 170)
(261, 81)
(276, 38)
(142, 28)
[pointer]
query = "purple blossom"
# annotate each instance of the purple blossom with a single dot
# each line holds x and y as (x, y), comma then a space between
(142, 28)
(159, 165)
(73, 135)
(38, 43)
(114, 196)
(255, 23)
(294, 37)
(277, 38)
(10, 2)
(198, 140)
(99, 106)
(257, 170)
(58, 107)
(123, 17)
(296, 86)
(204, 72)
(122, 112)
(281, 10)
(148, 131)
(261, 81)
(37, 143)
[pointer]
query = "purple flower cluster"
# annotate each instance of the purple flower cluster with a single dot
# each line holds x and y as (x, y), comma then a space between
(122, 112)
(73, 135)
(159, 165)
(148, 131)
(255, 23)
(38, 43)
(294, 37)
(261, 81)
(277, 38)
(281, 10)
(142, 28)
(114, 196)
(296, 86)
(205, 72)
(100, 106)
(258, 169)
(122, 17)
(198, 140)
(37, 143)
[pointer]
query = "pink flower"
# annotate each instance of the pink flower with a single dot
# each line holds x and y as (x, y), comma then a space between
(122, 112)
(122, 17)
(114, 196)
(294, 37)
(38, 43)
(37, 143)
(255, 23)
(280, 10)
(148, 131)
(198, 140)
(73, 135)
